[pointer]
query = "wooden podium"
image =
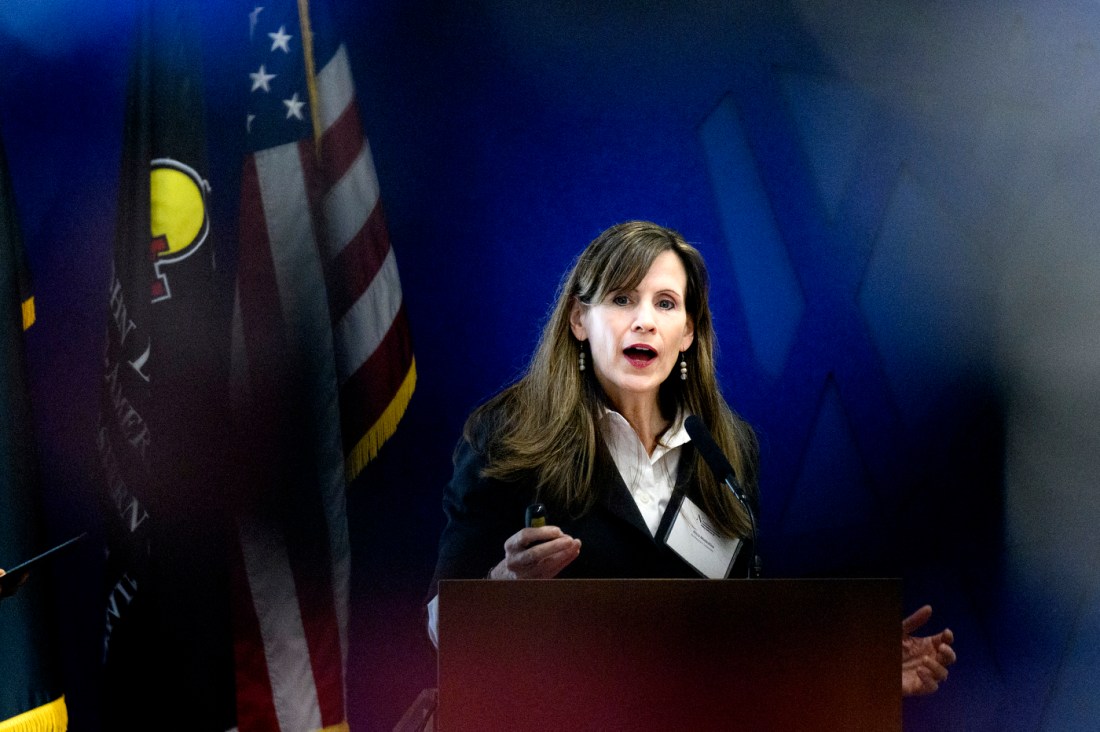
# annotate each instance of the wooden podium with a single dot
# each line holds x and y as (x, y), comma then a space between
(669, 655)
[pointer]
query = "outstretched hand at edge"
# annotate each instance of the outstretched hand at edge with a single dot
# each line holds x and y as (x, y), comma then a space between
(924, 659)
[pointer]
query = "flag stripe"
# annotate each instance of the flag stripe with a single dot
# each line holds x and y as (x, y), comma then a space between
(328, 296)
(383, 428)
(284, 192)
(272, 696)
(281, 627)
(350, 202)
(256, 698)
(367, 321)
(341, 144)
(364, 290)
(305, 273)
(308, 634)
(261, 316)
(313, 584)
(351, 273)
(335, 85)
(374, 384)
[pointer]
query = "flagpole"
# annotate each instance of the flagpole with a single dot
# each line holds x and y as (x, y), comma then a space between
(311, 72)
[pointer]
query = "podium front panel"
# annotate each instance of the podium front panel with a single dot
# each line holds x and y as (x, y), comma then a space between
(669, 655)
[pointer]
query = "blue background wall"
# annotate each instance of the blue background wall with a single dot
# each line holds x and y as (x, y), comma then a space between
(895, 202)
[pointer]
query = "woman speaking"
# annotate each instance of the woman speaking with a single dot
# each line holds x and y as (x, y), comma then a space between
(594, 434)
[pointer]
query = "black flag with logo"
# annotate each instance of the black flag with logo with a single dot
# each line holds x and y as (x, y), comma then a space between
(30, 694)
(167, 648)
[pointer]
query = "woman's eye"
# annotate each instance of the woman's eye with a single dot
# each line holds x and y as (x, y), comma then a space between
(620, 300)
(666, 304)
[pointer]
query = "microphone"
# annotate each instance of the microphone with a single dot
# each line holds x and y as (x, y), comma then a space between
(719, 465)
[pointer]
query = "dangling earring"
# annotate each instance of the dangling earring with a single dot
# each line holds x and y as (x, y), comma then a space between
(580, 357)
(683, 367)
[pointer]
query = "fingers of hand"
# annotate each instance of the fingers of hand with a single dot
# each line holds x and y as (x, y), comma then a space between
(916, 620)
(550, 558)
(921, 676)
(945, 654)
(524, 538)
(928, 681)
(937, 646)
(545, 559)
(926, 667)
(913, 685)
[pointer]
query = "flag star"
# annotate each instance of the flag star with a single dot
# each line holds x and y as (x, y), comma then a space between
(261, 78)
(294, 107)
(248, 123)
(280, 40)
(253, 19)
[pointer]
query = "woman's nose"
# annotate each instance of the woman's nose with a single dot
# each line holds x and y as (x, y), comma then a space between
(643, 318)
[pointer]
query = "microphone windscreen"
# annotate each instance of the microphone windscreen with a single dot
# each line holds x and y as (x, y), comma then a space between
(708, 448)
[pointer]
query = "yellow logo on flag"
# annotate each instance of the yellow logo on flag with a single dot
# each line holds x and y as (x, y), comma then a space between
(179, 221)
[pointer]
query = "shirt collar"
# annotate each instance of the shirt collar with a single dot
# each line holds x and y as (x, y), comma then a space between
(675, 436)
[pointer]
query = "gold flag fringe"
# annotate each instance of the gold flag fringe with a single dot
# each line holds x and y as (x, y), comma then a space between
(28, 313)
(381, 430)
(50, 717)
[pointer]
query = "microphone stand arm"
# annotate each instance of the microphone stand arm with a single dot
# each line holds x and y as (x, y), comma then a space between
(754, 565)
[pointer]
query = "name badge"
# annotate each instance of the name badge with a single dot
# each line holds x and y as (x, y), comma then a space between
(693, 538)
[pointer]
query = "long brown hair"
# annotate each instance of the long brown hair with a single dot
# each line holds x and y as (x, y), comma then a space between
(545, 423)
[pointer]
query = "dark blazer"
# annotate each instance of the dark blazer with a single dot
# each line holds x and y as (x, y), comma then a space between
(615, 541)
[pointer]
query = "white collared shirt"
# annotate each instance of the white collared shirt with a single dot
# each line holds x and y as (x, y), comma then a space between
(649, 478)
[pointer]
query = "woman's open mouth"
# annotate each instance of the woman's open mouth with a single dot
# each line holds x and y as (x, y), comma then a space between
(639, 355)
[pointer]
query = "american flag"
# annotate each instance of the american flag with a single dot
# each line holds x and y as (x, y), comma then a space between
(322, 365)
